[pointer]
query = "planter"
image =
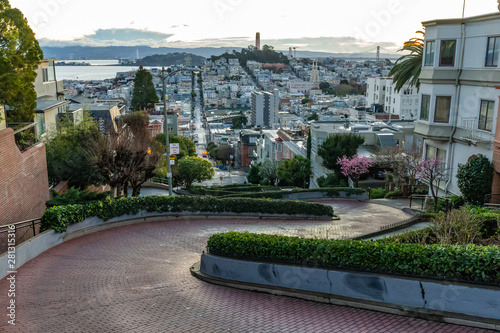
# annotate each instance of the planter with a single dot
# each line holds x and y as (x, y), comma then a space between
(468, 304)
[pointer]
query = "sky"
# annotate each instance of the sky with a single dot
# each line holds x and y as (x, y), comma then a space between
(308, 25)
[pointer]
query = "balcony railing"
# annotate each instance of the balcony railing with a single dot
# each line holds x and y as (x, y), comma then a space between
(468, 130)
(25, 135)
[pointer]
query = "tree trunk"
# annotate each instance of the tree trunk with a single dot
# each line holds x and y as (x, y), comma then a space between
(125, 189)
(118, 190)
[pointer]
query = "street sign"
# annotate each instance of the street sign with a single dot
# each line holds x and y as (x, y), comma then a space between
(174, 148)
(221, 178)
(172, 162)
(169, 175)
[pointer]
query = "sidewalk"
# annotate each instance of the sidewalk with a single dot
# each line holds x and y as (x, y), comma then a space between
(401, 204)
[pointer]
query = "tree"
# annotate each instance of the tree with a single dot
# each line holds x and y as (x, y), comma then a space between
(254, 174)
(331, 179)
(305, 100)
(225, 153)
(401, 161)
(474, 179)
(193, 169)
(20, 56)
(67, 157)
(343, 89)
(295, 172)
(354, 167)
(324, 86)
(144, 94)
(267, 171)
(338, 145)
(211, 145)
(128, 156)
(433, 171)
(239, 122)
(314, 116)
(186, 146)
(407, 68)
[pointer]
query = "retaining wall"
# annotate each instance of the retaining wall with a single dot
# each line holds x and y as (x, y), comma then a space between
(432, 297)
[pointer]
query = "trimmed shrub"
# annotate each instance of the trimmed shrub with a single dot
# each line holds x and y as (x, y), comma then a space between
(474, 179)
(58, 218)
(378, 193)
(330, 192)
(75, 196)
(394, 194)
(468, 263)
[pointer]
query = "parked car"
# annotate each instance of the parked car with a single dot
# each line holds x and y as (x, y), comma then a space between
(379, 174)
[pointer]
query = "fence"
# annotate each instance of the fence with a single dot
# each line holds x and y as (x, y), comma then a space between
(23, 230)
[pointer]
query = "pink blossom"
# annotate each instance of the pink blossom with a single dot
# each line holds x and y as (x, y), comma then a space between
(355, 166)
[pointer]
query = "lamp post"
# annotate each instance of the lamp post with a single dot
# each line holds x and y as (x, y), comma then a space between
(167, 139)
(169, 169)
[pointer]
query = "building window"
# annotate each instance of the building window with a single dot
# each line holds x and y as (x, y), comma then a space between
(429, 54)
(431, 152)
(442, 112)
(279, 147)
(492, 52)
(447, 53)
(40, 120)
(486, 115)
(45, 74)
(424, 110)
(252, 139)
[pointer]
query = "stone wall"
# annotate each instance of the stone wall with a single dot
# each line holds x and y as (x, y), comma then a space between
(24, 183)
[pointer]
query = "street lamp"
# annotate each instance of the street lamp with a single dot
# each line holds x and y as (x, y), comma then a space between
(167, 139)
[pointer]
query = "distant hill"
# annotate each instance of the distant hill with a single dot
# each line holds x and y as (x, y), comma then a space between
(169, 59)
(130, 52)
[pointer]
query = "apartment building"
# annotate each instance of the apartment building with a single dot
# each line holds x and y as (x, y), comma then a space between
(460, 82)
(382, 96)
(265, 108)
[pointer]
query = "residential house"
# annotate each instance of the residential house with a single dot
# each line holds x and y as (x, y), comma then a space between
(459, 92)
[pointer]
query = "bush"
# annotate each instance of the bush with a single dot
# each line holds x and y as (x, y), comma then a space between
(330, 192)
(459, 226)
(378, 193)
(58, 218)
(474, 179)
(444, 262)
(394, 194)
(75, 196)
(457, 201)
(331, 180)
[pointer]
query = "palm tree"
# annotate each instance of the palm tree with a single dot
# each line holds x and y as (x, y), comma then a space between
(407, 69)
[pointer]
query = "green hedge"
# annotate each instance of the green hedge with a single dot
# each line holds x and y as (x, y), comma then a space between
(469, 263)
(330, 192)
(58, 218)
(270, 192)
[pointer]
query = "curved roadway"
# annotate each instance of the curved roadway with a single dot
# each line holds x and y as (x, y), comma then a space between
(136, 279)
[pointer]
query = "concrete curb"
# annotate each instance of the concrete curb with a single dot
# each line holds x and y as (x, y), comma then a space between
(402, 310)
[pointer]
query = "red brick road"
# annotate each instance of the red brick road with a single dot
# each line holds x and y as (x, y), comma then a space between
(136, 279)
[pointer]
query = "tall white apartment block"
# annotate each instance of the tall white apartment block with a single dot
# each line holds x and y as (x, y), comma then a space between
(265, 108)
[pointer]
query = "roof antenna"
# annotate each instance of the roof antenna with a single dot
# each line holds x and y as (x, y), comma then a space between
(463, 10)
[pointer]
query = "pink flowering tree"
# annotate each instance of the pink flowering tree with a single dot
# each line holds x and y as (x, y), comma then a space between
(354, 167)
(433, 171)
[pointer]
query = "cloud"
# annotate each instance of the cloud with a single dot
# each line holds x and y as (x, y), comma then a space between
(136, 37)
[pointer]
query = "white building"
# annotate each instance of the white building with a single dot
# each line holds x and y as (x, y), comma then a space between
(459, 89)
(382, 96)
(265, 108)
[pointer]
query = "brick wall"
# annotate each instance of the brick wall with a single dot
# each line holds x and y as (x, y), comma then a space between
(24, 183)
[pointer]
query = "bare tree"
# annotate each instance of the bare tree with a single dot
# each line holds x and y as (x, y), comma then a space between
(128, 156)
(402, 161)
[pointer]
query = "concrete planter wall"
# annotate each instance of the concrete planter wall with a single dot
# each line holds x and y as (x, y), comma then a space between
(433, 298)
(48, 239)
